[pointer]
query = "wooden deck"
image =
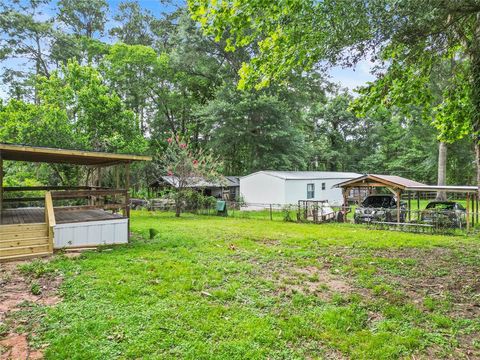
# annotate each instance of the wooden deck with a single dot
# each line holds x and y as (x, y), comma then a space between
(62, 215)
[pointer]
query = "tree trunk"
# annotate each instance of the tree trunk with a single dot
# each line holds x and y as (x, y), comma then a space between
(442, 170)
(475, 73)
(477, 159)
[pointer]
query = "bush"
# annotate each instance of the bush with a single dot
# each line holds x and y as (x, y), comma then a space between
(287, 212)
(35, 288)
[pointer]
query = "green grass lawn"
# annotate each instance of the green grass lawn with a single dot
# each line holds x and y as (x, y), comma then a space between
(228, 288)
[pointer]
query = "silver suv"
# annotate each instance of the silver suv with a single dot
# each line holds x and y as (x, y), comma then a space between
(381, 207)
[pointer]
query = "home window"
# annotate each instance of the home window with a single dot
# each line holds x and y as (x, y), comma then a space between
(310, 191)
(324, 186)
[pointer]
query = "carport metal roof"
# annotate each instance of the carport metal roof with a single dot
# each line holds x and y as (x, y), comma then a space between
(375, 180)
(447, 188)
(400, 183)
(64, 156)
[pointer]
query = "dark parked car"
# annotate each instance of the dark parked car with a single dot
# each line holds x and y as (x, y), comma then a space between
(444, 214)
(381, 207)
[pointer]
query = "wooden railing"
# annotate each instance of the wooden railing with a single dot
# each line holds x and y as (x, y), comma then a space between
(49, 219)
(97, 198)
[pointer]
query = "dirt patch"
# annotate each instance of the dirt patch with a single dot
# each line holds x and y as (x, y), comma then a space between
(16, 290)
(269, 241)
(309, 280)
(315, 280)
(445, 280)
(442, 274)
(16, 348)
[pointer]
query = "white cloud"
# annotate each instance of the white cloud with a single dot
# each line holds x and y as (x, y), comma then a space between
(352, 78)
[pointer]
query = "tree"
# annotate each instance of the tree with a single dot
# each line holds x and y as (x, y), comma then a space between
(254, 131)
(25, 35)
(341, 138)
(135, 72)
(134, 24)
(96, 114)
(84, 17)
(297, 35)
(188, 167)
(416, 90)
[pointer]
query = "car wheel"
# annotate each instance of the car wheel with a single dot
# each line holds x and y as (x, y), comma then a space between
(388, 216)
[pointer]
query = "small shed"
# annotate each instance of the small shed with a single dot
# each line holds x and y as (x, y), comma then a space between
(227, 188)
(288, 187)
(37, 230)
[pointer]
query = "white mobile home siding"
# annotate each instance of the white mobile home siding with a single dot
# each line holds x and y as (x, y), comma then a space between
(297, 190)
(284, 187)
(260, 188)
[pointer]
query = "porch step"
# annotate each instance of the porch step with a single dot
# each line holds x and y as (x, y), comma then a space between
(24, 250)
(25, 227)
(5, 244)
(23, 231)
(24, 256)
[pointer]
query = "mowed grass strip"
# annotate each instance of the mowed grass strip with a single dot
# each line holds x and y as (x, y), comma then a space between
(223, 288)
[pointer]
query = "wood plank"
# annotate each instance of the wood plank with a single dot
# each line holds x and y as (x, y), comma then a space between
(22, 250)
(22, 227)
(23, 234)
(23, 199)
(23, 257)
(43, 188)
(83, 193)
(49, 219)
(44, 154)
(24, 242)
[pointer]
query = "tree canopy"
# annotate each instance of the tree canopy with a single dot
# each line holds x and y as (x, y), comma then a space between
(288, 37)
(87, 75)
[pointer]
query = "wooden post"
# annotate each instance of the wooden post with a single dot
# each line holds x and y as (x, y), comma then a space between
(117, 177)
(127, 189)
(418, 205)
(100, 199)
(409, 206)
(398, 206)
(476, 207)
(345, 203)
(473, 209)
(271, 215)
(468, 212)
(49, 219)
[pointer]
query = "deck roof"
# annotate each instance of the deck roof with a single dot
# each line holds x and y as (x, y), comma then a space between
(64, 156)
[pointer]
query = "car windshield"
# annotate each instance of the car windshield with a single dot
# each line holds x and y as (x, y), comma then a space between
(443, 206)
(378, 201)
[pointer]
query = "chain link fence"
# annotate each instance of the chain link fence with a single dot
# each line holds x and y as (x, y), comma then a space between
(454, 220)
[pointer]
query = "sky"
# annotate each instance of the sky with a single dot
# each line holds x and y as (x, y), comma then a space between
(349, 78)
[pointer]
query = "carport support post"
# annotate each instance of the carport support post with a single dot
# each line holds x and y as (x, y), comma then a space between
(468, 212)
(473, 209)
(398, 205)
(418, 205)
(409, 206)
(476, 207)
(345, 203)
